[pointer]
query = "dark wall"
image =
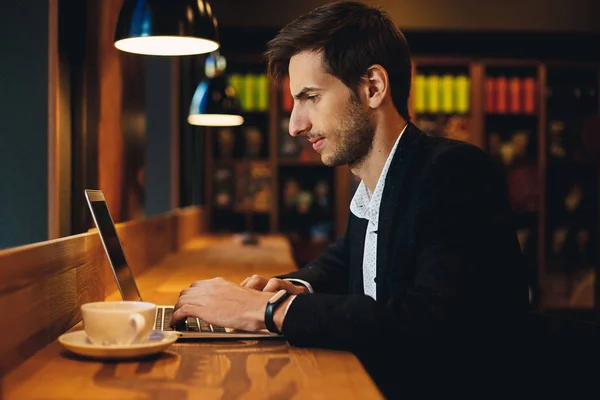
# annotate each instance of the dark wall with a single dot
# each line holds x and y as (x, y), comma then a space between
(23, 122)
(158, 134)
(191, 139)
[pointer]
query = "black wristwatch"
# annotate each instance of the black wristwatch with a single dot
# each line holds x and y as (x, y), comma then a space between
(272, 305)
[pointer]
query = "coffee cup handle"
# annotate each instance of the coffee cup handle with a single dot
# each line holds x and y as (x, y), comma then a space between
(138, 323)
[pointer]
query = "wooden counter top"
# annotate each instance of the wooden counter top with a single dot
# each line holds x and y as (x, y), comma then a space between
(232, 369)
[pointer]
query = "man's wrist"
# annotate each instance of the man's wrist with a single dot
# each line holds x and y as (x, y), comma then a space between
(281, 312)
(278, 315)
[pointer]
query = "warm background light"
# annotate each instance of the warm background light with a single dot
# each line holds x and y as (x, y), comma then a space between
(215, 119)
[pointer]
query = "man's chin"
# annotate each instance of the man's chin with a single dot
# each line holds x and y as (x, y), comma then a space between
(326, 160)
(330, 161)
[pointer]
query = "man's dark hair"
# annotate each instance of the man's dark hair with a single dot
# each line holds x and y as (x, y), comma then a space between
(352, 37)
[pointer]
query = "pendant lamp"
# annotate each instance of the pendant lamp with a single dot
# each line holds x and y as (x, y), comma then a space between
(215, 102)
(166, 27)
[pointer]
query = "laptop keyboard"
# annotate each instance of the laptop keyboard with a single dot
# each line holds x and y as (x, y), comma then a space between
(163, 317)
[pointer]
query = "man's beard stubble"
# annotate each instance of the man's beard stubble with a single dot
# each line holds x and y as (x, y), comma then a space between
(354, 136)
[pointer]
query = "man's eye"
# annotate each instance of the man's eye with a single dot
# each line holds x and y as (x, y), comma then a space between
(313, 97)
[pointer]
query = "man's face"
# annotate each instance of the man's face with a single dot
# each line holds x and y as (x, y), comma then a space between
(327, 113)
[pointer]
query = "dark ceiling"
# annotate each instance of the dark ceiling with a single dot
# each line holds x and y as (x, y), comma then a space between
(519, 15)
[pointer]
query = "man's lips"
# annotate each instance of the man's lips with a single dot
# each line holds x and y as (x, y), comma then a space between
(317, 143)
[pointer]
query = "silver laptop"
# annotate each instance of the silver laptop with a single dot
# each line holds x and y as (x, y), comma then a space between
(193, 327)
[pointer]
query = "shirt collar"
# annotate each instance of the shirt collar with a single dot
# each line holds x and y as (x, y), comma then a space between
(365, 204)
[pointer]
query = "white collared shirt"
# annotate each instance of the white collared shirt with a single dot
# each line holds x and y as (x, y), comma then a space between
(366, 205)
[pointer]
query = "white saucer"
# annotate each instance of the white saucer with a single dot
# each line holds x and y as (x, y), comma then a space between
(78, 343)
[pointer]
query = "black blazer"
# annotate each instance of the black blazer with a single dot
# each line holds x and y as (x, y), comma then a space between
(448, 261)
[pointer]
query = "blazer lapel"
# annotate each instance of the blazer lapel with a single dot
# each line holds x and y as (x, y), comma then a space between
(357, 243)
(393, 196)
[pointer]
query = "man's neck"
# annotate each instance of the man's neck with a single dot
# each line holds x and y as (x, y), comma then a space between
(386, 134)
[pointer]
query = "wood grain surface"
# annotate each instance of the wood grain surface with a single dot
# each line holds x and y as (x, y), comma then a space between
(224, 369)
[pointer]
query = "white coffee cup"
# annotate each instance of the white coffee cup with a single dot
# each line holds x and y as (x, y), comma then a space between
(118, 322)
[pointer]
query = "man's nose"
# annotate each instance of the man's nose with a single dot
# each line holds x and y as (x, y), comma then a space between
(299, 122)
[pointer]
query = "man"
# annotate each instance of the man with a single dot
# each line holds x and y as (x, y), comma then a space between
(430, 259)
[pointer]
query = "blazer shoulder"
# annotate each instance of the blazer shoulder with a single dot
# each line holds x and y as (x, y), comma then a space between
(447, 160)
(444, 152)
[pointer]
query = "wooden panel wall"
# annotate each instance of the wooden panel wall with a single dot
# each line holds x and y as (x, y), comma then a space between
(59, 125)
(110, 137)
(190, 221)
(122, 119)
(53, 123)
(43, 285)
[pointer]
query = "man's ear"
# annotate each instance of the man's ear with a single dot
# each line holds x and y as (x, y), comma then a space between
(377, 82)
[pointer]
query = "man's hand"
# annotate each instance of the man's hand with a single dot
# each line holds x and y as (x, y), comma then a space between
(223, 303)
(258, 282)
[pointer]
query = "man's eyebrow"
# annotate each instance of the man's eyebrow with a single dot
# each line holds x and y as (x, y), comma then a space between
(302, 93)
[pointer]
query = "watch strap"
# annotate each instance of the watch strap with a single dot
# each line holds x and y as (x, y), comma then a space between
(272, 305)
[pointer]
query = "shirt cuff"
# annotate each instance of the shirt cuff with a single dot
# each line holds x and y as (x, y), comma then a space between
(288, 307)
(306, 284)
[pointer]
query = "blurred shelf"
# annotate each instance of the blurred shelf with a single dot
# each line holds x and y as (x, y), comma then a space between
(292, 162)
(238, 161)
(511, 115)
(243, 210)
(443, 114)
(258, 113)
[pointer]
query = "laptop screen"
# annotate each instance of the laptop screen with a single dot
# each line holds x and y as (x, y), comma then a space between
(114, 250)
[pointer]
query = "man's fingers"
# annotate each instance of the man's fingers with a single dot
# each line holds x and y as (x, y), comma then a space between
(245, 281)
(187, 306)
(256, 282)
(274, 285)
(192, 290)
(186, 310)
(190, 299)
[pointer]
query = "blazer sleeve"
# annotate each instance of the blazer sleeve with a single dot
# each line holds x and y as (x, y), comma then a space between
(463, 214)
(329, 272)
